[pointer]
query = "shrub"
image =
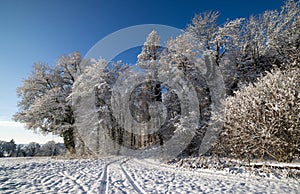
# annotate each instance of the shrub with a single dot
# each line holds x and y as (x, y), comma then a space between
(262, 120)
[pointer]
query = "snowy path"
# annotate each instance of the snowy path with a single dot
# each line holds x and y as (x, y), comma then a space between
(124, 175)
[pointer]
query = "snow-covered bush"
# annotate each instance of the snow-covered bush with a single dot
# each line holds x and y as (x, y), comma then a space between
(262, 120)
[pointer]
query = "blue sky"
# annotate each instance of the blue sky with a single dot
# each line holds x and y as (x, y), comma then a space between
(42, 30)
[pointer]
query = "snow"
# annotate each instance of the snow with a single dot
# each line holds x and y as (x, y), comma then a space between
(128, 175)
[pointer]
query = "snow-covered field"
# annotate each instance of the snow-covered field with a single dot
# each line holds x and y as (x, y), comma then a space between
(127, 175)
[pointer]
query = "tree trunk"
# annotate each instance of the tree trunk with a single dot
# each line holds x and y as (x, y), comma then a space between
(69, 141)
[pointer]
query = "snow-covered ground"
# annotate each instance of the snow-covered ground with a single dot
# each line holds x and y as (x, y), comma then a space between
(127, 175)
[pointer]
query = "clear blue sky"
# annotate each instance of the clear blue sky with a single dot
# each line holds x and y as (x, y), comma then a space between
(43, 30)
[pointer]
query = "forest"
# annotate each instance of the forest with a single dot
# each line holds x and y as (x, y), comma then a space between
(253, 62)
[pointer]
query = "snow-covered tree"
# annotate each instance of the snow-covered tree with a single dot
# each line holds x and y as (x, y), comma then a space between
(43, 104)
(92, 99)
(20, 152)
(149, 59)
(285, 36)
(258, 117)
(7, 149)
(151, 49)
(85, 106)
(51, 148)
(32, 149)
(198, 53)
(264, 41)
(48, 149)
(150, 91)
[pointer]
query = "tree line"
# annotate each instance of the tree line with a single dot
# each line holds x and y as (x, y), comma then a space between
(50, 148)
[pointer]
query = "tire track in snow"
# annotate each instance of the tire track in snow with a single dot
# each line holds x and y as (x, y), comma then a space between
(131, 180)
(104, 178)
(111, 172)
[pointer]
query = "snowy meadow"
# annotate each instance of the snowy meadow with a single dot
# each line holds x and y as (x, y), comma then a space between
(131, 175)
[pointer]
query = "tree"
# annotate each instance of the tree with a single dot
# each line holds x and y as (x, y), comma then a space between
(12, 148)
(84, 95)
(96, 85)
(49, 149)
(187, 53)
(147, 92)
(149, 59)
(258, 116)
(151, 49)
(285, 37)
(44, 104)
(262, 42)
(32, 149)
(20, 152)
(7, 149)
